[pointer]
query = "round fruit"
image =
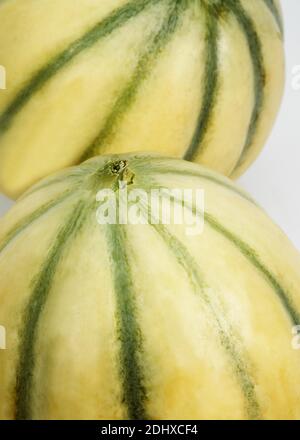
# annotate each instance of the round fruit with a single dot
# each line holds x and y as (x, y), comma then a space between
(146, 321)
(196, 79)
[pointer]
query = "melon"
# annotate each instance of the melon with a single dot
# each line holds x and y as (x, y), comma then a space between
(195, 79)
(116, 320)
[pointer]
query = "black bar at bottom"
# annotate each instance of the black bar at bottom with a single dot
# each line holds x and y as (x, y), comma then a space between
(138, 429)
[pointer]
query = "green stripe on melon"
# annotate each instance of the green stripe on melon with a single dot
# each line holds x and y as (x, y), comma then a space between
(40, 292)
(131, 351)
(228, 339)
(275, 10)
(144, 321)
(210, 79)
(195, 79)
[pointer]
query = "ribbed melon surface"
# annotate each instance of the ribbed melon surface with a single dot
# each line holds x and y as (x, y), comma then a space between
(144, 321)
(196, 79)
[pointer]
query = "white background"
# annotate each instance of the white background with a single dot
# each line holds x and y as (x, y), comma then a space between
(274, 179)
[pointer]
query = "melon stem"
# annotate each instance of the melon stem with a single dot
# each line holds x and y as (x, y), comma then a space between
(122, 171)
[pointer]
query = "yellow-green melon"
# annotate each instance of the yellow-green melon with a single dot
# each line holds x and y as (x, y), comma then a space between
(145, 321)
(195, 79)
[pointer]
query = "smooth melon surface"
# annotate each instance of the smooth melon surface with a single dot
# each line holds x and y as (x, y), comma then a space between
(196, 79)
(123, 321)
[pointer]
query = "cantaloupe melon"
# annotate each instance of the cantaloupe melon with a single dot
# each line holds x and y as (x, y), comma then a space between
(124, 321)
(196, 79)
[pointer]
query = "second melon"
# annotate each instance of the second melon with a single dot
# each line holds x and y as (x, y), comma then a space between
(201, 80)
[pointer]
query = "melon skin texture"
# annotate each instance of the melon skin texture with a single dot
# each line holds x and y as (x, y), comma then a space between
(119, 321)
(199, 80)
